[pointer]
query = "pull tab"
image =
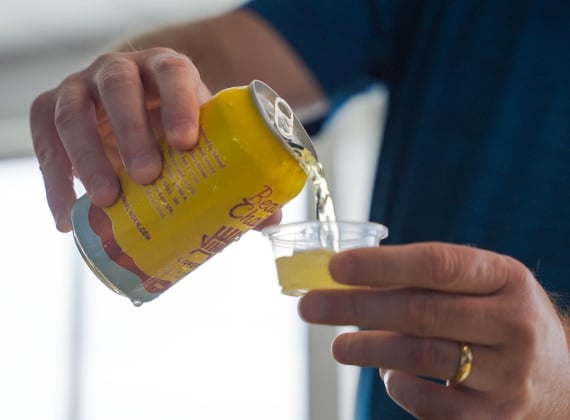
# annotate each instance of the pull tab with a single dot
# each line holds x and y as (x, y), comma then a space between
(283, 118)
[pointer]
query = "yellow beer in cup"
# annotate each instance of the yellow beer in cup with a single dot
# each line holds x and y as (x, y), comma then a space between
(302, 251)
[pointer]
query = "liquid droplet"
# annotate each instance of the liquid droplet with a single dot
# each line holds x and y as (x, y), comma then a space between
(136, 302)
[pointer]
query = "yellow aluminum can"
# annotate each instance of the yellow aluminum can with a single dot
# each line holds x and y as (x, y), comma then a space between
(245, 167)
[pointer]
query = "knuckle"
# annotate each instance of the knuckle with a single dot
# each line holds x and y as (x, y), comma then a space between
(521, 326)
(499, 266)
(516, 272)
(169, 62)
(107, 58)
(355, 308)
(520, 316)
(515, 379)
(72, 103)
(442, 264)
(116, 72)
(423, 312)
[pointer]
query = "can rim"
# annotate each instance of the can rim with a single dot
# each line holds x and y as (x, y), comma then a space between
(299, 138)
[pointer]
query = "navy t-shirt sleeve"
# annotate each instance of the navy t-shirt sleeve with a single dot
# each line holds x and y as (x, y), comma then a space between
(333, 37)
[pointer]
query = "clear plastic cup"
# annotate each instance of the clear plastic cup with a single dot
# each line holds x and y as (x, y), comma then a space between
(302, 251)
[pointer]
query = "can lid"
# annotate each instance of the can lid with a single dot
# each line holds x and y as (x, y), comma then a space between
(281, 119)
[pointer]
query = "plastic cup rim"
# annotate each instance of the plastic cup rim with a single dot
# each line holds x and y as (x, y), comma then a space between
(271, 230)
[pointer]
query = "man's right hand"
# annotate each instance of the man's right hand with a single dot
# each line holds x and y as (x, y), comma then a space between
(110, 114)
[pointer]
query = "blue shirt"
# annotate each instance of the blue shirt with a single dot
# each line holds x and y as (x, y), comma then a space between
(476, 148)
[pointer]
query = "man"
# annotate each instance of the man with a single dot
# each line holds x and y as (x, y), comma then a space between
(471, 181)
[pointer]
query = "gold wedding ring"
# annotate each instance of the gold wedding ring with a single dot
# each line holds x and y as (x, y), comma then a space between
(465, 364)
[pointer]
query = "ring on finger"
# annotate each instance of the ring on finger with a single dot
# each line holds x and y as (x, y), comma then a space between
(465, 365)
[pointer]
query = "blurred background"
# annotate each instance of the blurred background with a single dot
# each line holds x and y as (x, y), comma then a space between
(224, 343)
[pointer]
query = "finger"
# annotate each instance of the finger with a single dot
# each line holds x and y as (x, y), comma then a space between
(430, 358)
(425, 357)
(122, 95)
(429, 400)
(411, 311)
(436, 266)
(54, 163)
(274, 219)
(75, 121)
(181, 94)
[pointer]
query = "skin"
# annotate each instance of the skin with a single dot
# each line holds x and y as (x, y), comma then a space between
(111, 113)
(424, 298)
(427, 297)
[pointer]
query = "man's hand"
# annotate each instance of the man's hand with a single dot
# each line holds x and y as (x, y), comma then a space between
(111, 114)
(427, 298)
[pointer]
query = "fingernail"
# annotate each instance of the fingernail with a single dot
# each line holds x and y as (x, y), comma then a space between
(183, 136)
(145, 168)
(63, 221)
(340, 268)
(102, 190)
(98, 183)
(311, 308)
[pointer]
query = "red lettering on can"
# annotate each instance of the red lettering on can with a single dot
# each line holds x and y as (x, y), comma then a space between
(253, 210)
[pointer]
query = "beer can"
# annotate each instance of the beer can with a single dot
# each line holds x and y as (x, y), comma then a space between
(245, 167)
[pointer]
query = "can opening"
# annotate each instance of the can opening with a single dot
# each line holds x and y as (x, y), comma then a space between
(281, 119)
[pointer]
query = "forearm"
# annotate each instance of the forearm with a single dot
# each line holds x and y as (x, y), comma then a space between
(235, 48)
